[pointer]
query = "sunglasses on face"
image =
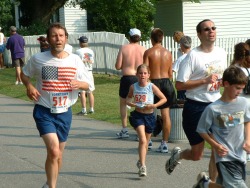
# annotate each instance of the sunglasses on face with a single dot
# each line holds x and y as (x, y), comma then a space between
(209, 29)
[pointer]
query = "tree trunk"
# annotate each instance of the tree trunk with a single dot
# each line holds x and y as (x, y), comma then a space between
(42, 10)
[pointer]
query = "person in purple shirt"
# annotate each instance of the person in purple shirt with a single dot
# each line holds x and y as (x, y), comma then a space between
(16, 45)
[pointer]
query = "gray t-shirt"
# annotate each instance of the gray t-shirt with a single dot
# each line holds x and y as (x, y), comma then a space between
(226, 122)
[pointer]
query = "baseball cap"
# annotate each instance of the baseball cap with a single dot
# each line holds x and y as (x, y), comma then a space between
(13, 28)
(83, 39)
(186, 41)
(134, 31)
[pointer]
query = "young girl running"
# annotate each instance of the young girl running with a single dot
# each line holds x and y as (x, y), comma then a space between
(142, 118)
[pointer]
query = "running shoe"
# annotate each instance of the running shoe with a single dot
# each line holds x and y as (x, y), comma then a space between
(201, 179)
(163, 148)
(82, 113)
(45, 185)
(150, 144)
(136, 138)
(142, 171)
(172, 162)
(138, 164)
(122, 134)
(248, 157)
(91, 111)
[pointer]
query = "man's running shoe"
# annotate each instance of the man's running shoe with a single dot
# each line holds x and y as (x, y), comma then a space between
(163, 148)
(150, 144)
(201, 179)
(122, 134)
(172, 162)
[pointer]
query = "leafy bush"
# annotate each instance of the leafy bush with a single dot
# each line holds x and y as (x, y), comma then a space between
(37, 28)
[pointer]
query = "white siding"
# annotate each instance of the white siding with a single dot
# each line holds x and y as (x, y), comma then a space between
(62, 16)
(230, 16)
(74, 19)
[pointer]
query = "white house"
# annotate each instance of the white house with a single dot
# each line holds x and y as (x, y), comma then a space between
(231, 17)
(73, 18)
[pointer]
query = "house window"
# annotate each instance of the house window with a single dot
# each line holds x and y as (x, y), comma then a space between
(55, 17)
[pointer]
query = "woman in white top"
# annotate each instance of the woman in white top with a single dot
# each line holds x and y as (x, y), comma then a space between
(2, 48)
(242, 60)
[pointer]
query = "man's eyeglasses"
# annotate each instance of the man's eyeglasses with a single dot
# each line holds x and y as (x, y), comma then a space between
(209, 28)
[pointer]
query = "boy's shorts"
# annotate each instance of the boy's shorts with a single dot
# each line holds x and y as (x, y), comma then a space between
(148, 120)
(231, 174)
(47, 122)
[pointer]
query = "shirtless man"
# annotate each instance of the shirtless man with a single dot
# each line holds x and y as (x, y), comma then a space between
(159, 60)
(130, 56)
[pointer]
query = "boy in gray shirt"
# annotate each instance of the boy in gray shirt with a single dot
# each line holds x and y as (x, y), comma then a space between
(225, 125)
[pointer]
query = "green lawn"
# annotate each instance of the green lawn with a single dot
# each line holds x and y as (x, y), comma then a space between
(106, 94)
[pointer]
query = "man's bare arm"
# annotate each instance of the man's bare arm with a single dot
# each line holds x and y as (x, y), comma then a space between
(31, 91)
(191, 84)
(170, 71)
(118, 64)
(145, 58)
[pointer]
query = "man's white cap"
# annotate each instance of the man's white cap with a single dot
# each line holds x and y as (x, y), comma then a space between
(134, 31)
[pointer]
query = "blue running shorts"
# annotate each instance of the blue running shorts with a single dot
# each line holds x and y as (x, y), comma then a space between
(148, 120)
(47, 122)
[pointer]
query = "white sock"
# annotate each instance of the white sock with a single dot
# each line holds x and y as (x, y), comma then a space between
(84, 109)
(163, 142)
(124, 129)
(91, 109)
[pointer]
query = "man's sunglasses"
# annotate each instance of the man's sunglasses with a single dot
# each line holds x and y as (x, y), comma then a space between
(209, 28)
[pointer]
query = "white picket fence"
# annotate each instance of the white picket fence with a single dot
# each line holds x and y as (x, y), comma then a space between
(106, 46)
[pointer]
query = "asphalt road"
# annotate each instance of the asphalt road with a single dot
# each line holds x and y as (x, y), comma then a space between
(93, 156)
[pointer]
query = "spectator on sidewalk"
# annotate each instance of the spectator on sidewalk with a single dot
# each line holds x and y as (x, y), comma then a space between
(185, 45)
(16, 45)
(87, 57)
(44, 45)
(2, 48)
(68, 48)
(177, 38)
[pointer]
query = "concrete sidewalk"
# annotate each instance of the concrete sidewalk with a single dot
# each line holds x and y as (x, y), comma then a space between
(93, 157)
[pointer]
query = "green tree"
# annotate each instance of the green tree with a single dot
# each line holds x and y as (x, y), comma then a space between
(6, 15)
(120, 15)
(103, 15)
(38, 10)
